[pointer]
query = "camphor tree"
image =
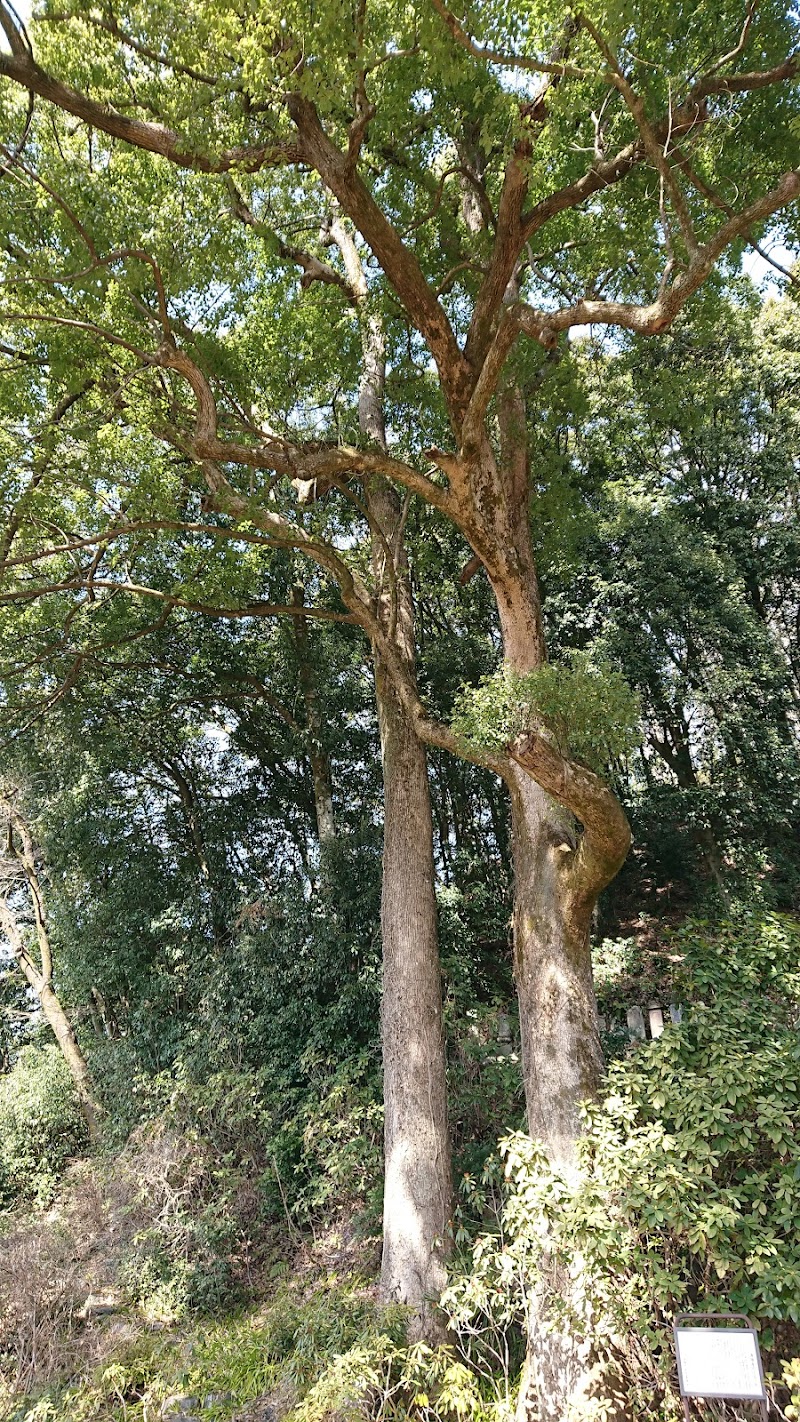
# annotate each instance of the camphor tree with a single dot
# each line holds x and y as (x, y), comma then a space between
(501, 177)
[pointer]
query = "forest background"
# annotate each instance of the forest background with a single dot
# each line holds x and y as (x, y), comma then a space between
(400, 492)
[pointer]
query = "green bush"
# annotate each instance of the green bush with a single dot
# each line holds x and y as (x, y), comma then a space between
(327, 1151)
(588, 709)
(41, 1125)
(689, 1192)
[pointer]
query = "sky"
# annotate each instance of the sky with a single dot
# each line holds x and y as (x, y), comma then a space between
(23, 9)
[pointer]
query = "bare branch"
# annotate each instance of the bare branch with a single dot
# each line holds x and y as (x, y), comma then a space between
(509, 239)
(711, 84)
(313, 268)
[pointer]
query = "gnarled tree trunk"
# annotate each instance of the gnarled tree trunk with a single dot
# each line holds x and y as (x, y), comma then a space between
(570, 837)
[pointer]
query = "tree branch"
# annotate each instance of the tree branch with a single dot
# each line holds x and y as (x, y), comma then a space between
(606, 835)
(659, 314)
(556, 67)
(22, 69)
(398, 262)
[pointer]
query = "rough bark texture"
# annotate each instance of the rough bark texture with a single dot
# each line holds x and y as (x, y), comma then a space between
(560, 870)
(570, 837)
(562, 1060)
(418, 1177)
(418, 1185)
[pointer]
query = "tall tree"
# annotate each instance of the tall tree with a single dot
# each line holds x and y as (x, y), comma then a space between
(603, 178)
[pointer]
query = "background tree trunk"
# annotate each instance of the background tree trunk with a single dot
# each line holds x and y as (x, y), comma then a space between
(321, 779)
(39, 976)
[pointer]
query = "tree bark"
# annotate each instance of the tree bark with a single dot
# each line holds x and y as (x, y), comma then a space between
(418, 1187)
(321, 779)
(418, 1182)
(58, 1022)
(570, 837)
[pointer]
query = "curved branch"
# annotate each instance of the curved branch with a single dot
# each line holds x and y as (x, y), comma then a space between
(507, 61)
(606, 835)
(658, 315)
(310, 464)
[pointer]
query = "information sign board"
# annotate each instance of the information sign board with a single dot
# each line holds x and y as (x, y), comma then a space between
(718, 1358)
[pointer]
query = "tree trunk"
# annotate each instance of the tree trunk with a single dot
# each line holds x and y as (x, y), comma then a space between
(673, 749)
(417, 1165)
(321, 779)
(561, 1056)
(57, 1020)
(39, 980)
(418, 1183)
(418, 1176)
(570, 837)
(20, 848)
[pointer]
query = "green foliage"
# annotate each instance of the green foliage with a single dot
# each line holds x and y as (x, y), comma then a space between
(689, 1187)
(791, 1380)
(323, 1355)
(41, 1125)
(686, 579)
(587, 707)
(327, 1152)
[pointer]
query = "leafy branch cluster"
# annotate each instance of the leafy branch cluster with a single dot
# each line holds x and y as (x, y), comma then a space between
(587, 708)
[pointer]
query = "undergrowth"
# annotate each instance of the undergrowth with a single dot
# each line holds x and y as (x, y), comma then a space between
(244, 1300)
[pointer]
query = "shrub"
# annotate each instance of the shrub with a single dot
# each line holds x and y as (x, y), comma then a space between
(41, 1125)
(689, 1191)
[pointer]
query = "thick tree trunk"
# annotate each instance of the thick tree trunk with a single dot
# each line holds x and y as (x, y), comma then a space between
(562, 1066)
(570, 837)
(418, 1184)
(417, 1168)
(561, 1056)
